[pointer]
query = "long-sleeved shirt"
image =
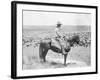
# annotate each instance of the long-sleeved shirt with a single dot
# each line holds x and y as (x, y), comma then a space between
(58, 32)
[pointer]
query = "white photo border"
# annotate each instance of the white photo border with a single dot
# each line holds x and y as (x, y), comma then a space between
(17, 71)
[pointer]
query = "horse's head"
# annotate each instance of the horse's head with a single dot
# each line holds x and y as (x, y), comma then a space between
(73, 40)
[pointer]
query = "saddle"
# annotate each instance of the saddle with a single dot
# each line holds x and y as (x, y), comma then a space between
(55, 42)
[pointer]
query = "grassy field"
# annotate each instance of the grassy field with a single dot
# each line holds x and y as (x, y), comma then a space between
(77, 57)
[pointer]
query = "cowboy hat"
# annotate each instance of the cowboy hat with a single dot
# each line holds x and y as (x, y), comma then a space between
(59, 23)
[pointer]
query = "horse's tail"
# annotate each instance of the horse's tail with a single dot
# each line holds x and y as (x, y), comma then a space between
(40, 51)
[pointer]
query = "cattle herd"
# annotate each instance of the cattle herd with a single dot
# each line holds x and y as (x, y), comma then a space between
(85, 39)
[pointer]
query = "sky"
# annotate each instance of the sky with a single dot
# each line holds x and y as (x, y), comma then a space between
(51, 18)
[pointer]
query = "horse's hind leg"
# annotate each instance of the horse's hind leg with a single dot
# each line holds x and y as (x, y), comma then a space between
(44, 54)
(41, 53)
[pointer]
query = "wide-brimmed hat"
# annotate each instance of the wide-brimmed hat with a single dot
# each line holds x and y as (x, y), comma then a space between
(59, 23)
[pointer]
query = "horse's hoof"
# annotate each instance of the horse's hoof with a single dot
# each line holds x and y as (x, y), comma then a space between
(65, 64)
(41, 61)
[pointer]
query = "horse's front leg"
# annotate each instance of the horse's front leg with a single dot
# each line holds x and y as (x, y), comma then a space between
(65, 57)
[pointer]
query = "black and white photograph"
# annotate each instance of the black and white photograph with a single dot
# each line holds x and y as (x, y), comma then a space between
(54, 39)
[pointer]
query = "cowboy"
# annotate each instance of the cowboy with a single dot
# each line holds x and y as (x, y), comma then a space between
(58, 30)
(59, 36)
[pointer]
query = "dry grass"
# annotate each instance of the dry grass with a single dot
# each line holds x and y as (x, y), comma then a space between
(77, 57)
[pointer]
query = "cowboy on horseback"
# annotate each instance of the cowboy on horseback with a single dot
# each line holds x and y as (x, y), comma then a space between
(58, 44)
(59, 37)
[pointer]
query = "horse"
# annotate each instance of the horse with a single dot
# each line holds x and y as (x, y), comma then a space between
(45, 46)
